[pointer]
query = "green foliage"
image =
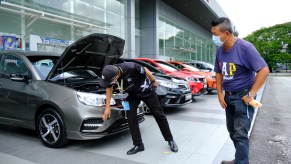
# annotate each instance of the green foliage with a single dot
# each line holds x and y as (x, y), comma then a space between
(271, 43)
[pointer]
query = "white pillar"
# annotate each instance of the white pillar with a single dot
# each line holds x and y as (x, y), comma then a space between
(130, 30)
(22, 28)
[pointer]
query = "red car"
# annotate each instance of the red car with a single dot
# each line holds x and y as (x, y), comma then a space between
(210, 76)
(196, 82)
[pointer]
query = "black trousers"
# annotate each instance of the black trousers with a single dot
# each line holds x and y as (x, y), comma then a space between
(152, 101)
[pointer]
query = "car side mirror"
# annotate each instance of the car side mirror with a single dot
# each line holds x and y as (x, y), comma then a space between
(210, 69)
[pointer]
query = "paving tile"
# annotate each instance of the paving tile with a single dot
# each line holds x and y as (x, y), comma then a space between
(198, 159)
(7, 158)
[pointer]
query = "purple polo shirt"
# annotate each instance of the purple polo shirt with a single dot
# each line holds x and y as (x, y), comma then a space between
(239, 65)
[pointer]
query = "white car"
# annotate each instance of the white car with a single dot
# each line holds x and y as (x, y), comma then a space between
(203, 66)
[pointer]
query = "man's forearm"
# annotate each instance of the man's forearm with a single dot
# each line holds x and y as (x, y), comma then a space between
(259, 81)
(149, 74)
(108, 97)
(219, 82)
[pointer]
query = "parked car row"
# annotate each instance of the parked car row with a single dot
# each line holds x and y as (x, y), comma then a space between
(172, 91)
(197, 82)
(59, 96)
(209, 76)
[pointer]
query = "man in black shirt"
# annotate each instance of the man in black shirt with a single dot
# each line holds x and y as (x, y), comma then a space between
(140, 85)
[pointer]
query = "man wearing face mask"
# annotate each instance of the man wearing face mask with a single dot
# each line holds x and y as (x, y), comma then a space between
(241, 72)
(140, 85)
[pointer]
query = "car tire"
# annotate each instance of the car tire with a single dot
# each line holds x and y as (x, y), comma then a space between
(209, 91)
(51, 129)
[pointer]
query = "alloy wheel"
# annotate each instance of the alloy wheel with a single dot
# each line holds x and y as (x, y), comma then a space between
(49, 128)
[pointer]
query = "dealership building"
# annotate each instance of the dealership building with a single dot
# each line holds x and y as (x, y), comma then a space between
(163, 29)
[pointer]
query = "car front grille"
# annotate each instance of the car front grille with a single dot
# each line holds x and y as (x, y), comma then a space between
(183, 86)
(173, 99)
(122, 124)
(90, 126)
(202, 79)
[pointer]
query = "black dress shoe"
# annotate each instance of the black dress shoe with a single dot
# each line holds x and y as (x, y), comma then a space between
(228, 162)
(173, 146)
(135, 149)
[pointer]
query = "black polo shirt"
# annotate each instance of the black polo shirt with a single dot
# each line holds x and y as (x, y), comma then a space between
(134, 78)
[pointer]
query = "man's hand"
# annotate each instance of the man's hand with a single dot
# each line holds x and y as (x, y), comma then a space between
(106, 114)
(155, 84)
(246, 99)
(221, 100)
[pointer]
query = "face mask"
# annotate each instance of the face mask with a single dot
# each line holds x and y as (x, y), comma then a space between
(217, 41)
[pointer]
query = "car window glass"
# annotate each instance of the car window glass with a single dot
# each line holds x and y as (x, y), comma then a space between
(12, 65)
(43, 67)
(190, 67)
(177, 65)
(180, 66)
(198, 66)
(43, 64)
(148, 66)
(209, 65)
(167, 66)
(203, 66)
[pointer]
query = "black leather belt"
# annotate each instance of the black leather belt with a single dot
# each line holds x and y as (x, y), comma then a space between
(237, 92)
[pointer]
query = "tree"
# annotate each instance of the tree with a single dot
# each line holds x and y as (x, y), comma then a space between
(273, 43)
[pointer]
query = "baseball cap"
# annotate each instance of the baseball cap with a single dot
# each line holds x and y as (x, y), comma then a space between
(108, 74)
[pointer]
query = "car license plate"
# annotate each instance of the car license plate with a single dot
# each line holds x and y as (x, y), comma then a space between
(188, 96)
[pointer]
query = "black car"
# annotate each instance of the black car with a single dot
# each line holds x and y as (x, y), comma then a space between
(172, 91)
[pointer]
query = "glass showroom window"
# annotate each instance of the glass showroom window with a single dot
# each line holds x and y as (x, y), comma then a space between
(63, 21)
(182, 44)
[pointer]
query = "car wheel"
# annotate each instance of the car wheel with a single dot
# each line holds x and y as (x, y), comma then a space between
(146, 109)
(209, 91)
(204, 91)
(51, 129)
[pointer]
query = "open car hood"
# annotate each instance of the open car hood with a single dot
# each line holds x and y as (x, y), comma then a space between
(92, 51)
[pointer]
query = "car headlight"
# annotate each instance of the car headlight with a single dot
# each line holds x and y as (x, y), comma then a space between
(93, 99)
(192, 79)
(168, 84)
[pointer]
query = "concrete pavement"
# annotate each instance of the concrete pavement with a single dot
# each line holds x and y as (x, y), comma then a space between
(270, 141)
(198, 129)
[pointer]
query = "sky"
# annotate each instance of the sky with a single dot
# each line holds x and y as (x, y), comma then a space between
(251, 15)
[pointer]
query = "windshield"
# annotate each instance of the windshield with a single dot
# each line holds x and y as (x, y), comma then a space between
(191, 68)
(43, 64)
(210, 65)
(167, 66)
